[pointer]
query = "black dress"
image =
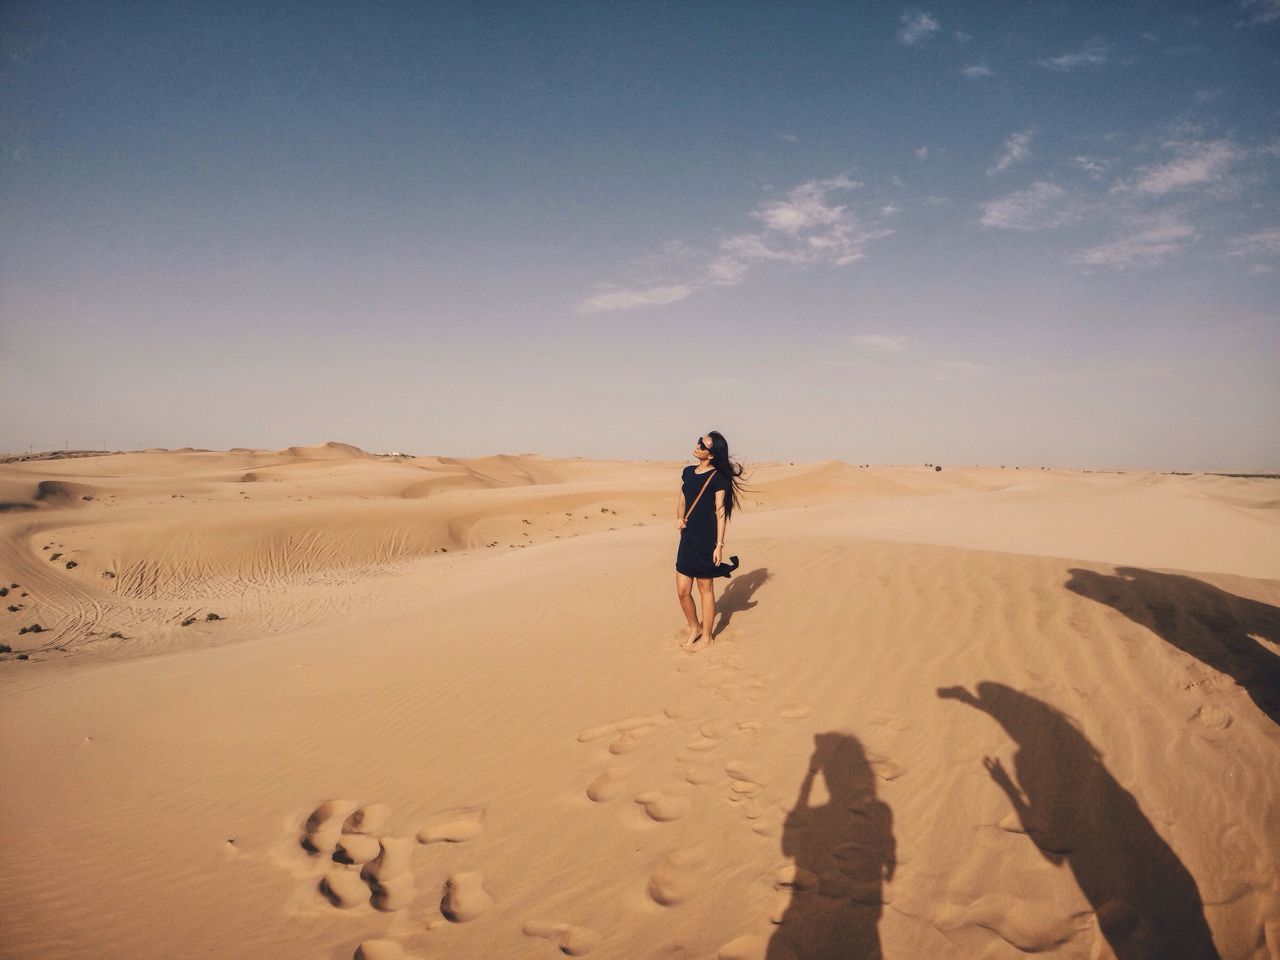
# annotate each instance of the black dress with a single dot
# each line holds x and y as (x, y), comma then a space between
(698, 538)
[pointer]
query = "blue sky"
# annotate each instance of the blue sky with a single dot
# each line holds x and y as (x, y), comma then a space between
(958, 232)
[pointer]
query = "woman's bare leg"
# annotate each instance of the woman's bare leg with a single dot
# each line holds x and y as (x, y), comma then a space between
(707, 594)
(684, 593)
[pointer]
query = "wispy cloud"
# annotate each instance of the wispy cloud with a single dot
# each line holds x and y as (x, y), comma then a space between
(1261, 11)
(1092, 166)
(621, 299)
(976, 70)
(1042, 206)
(807, 226)
(1263, 244)
(1091, 53)
(1195, 164)
(915, 26)
(883, 343)
(922, 153)
(1161, 239)
(1016, 149)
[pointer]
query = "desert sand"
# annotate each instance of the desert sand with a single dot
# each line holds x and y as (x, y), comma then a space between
(443, 712)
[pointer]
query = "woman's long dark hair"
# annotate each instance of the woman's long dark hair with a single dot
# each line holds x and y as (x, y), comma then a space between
(728, 468)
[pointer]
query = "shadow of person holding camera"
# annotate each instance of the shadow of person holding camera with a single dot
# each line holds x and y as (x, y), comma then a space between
(840, 836)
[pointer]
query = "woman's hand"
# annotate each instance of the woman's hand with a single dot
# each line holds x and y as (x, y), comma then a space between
(680, 524)
(715, 556)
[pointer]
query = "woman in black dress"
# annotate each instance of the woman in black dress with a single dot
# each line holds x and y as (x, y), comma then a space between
(709, 491)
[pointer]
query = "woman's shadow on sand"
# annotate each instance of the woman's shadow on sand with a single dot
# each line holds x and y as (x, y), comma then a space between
(737, 596)
(844, 853)
(1217, 628)
(1070, 806)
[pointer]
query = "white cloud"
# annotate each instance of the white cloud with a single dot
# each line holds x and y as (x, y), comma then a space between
(806, 207)
(1016, 149)
(922, 153)
(881, 342)
(1092, 53)
(1042, 206)
(1094, 168)
(789, 137)
(916, 27)
(976, 70)
(1265, 243)
(806, 227)
(1196, 163)
(1164, 238)
(621, 299)
(962, 37)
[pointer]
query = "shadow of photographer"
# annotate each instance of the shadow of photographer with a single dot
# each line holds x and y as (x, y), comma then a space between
(840, 836)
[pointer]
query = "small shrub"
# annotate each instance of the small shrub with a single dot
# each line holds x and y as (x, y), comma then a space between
(189, 621)
(213, 616)
(71, 564)
(55, 556)
(23, 656)
(5, 648)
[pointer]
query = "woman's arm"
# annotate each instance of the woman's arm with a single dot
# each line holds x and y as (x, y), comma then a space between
(680, 508)
(720, 523)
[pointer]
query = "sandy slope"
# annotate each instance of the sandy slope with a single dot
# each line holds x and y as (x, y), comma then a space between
(974, 713)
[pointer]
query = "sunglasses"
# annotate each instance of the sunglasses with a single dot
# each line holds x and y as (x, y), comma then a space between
(703, 446)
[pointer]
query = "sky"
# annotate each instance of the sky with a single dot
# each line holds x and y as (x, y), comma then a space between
(956, 233)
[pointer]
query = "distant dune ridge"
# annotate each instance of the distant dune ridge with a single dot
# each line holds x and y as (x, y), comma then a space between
(321, 702)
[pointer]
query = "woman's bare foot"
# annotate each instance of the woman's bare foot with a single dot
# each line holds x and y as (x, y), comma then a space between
(694, 633)
(698, 644)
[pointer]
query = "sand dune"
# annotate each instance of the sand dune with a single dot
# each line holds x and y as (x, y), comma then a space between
(442, 712)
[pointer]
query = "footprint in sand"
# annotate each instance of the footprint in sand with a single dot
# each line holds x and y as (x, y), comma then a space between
(382, 950)
(344, 887)
(465, 898)
(356, 848)
(702, 775)
(885, 768)
(744, 771)
(323, 828)
(632, 725)
(661, 807)
(796, 711)
(1213, 718)
(454, 826)
(572, 941)
(390, 875)
(674, 878)
(609, 785)
(370, 819)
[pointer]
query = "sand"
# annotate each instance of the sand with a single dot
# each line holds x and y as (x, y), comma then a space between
(443, 712)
